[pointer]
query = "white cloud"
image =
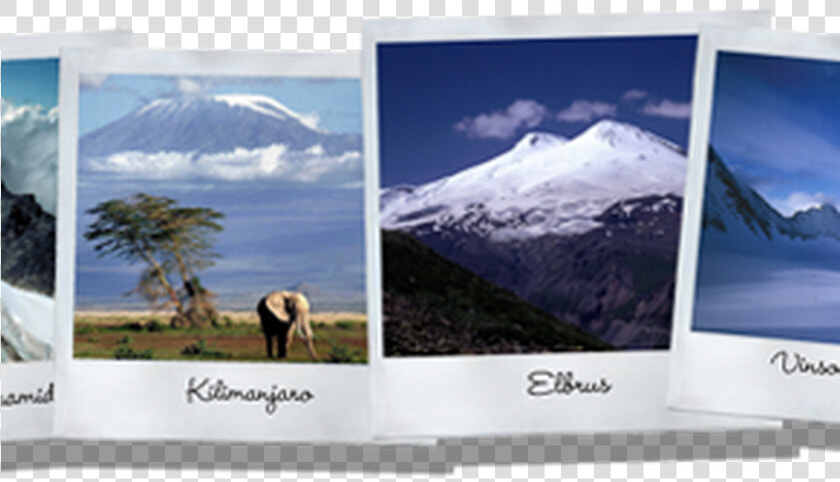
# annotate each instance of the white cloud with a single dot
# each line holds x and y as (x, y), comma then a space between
(273, 162)
(92, 81)
(634, 94)
(800, 201)
(503, 124)
(586, 111)
(30, 152)
(668, 109)
(189, 86)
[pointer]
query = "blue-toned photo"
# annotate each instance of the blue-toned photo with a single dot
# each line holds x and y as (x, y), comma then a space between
(220, 218)
(531, 193)
(769, 258)
(29, 170)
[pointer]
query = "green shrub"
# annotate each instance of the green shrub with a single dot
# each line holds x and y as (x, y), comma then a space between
(345, 325)
(200, 349)
(84, 329)
(154, 326)
(343, 354)
(127, 353)
(126, 340)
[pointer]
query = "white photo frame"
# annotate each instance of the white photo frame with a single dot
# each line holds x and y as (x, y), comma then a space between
(486, 394)
(747, 373)
(150, 400)
(29, 386)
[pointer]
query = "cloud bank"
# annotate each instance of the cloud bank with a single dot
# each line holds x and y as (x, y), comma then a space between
(634, 95)
(527, 113)
(668, 109)
(273, 162)
(30, 152)
(586, 111)
(503, 124)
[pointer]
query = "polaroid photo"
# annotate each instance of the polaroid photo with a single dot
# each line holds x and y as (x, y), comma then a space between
(758, 290)
(524, 194)
(30, 85)
(211, 276)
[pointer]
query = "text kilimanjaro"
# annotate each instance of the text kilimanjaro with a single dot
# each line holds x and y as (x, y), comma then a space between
(218, 391)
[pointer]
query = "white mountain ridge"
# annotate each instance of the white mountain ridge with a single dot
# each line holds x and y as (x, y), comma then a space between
(544, 184)
(261, 104)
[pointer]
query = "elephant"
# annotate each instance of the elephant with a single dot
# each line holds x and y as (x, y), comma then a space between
(280, 311)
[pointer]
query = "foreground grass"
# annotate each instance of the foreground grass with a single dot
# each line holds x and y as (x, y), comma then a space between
(146, 336)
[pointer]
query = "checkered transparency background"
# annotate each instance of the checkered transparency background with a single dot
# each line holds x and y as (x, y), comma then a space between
(799, 452)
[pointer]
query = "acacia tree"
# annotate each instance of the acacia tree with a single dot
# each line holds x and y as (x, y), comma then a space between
(170, 240)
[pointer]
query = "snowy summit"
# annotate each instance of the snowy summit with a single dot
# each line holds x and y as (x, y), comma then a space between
(543, 184)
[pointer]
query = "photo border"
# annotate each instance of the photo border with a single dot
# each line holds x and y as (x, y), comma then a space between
(469, 395)
(27, 422)
(728, 373)
(148, 400)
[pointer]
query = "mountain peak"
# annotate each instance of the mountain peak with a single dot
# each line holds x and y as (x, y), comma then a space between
(823, 214)
(266, 105)
(615, 134)
(538, 140)
(213, 124)
(609, 129)
(823, 220)
(826, 208)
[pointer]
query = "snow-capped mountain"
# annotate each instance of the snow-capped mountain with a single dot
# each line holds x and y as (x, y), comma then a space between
(584, 228)
(733, 208)
(544, 185)
(212, 125)
(818, 221)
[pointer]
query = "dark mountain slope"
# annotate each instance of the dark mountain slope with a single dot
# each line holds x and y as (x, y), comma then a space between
(28, 243)
(615, 281)
(432, 306)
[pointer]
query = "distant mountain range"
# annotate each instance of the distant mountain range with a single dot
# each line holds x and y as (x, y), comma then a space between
(212, 125)
(585, 229)
(733, 207)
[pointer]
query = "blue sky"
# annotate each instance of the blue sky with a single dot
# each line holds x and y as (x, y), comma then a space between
(776, 124)
(444, 106)
(31, 82)
(108, 98)
(278, 232)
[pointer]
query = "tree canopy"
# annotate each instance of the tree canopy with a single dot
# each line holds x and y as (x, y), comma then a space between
(169, 240)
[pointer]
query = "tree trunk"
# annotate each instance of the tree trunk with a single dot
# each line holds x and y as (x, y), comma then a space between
(165, 283)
